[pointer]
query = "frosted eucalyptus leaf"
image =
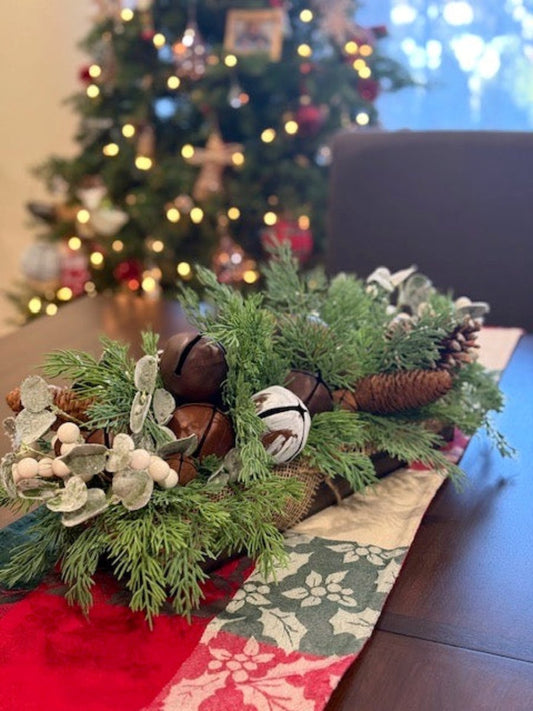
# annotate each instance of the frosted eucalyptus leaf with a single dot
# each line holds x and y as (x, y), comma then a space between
(133, 488)
(10, 428)
(71, 498)
(145, 376)
(220, 478)
(86, 460)
(171, 436)
(95, 504)
(139, 410)
(119, 457)
(6, 475)
(164, 406)
(123, 442)
(415, 292)
(232, 463)
(186, 446)
(37, 489)
(31, 426)
(35, 394)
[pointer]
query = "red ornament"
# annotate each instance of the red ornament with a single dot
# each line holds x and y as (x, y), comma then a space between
(84, 74)
(300, 240)
(310, 119)
(147, 34)
(368, 89)
(74, 271)
(128, 272)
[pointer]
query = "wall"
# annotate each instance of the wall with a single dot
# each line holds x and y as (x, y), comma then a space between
(39, 63)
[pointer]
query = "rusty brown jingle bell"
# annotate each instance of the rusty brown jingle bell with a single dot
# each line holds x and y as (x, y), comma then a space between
(311, 390)
(345, 399)
(183, 466)
(212, 427)
(193, 367)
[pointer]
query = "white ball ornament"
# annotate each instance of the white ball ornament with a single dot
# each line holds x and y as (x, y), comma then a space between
(45, 467)
(140, 459)
(287, 421)
(68, 447)
(170, 481)
(68, 433)
(59, 468)
(27, 468)
(158, 469)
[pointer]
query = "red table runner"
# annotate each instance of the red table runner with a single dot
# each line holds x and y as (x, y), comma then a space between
(255, 644)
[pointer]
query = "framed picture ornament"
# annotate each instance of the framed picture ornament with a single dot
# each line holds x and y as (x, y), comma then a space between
(255, 32)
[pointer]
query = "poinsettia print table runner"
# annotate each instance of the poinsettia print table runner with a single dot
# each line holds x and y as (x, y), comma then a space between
(256, 643)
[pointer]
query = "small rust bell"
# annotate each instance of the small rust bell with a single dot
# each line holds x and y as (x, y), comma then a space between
(183, 466)
(193, 367)
(212, 427)
(311, 390)
(345, 399)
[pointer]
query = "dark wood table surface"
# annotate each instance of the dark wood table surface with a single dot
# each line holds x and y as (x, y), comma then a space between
(456, 633)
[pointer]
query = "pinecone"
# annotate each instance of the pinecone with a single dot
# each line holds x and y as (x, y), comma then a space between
(385, 393)
(64, 398)
(459, 346)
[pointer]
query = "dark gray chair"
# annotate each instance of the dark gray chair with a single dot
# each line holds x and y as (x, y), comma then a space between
(459, 205)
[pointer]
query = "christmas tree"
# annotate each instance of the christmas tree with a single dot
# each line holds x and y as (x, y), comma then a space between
(203, 137)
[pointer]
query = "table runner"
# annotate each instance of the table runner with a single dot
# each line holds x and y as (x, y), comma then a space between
(254, 643)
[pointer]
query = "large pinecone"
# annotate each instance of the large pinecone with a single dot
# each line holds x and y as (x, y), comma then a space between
(65, 399)
(386, 393)
(459, 346)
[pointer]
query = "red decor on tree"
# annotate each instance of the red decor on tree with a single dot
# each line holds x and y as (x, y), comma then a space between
(310, 118)
(300, 240)
(84, 74)
(368, 89)
(74, 271)
(129, 272)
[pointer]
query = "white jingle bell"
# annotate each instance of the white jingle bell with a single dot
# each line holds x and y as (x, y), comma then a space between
(287, 421)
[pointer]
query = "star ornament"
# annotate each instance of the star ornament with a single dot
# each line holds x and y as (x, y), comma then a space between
(337, 19)
(213, 159)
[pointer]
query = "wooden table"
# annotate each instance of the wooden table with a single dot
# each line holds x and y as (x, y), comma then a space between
(456, 633)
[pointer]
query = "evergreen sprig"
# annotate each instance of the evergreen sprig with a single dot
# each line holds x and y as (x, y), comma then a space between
(336, 447)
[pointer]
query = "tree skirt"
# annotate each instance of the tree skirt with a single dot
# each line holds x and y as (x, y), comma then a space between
(255, 644)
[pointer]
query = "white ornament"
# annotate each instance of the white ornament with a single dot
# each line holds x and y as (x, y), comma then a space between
(170, 481)
(45, 467)
(60, 469)
(27, 468)
(66, 448)
(68, 433)
(158, 469)
(287, 421)
(140, 459)
(108, 221)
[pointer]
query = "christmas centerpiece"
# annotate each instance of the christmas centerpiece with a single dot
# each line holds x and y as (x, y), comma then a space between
(216, 442)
